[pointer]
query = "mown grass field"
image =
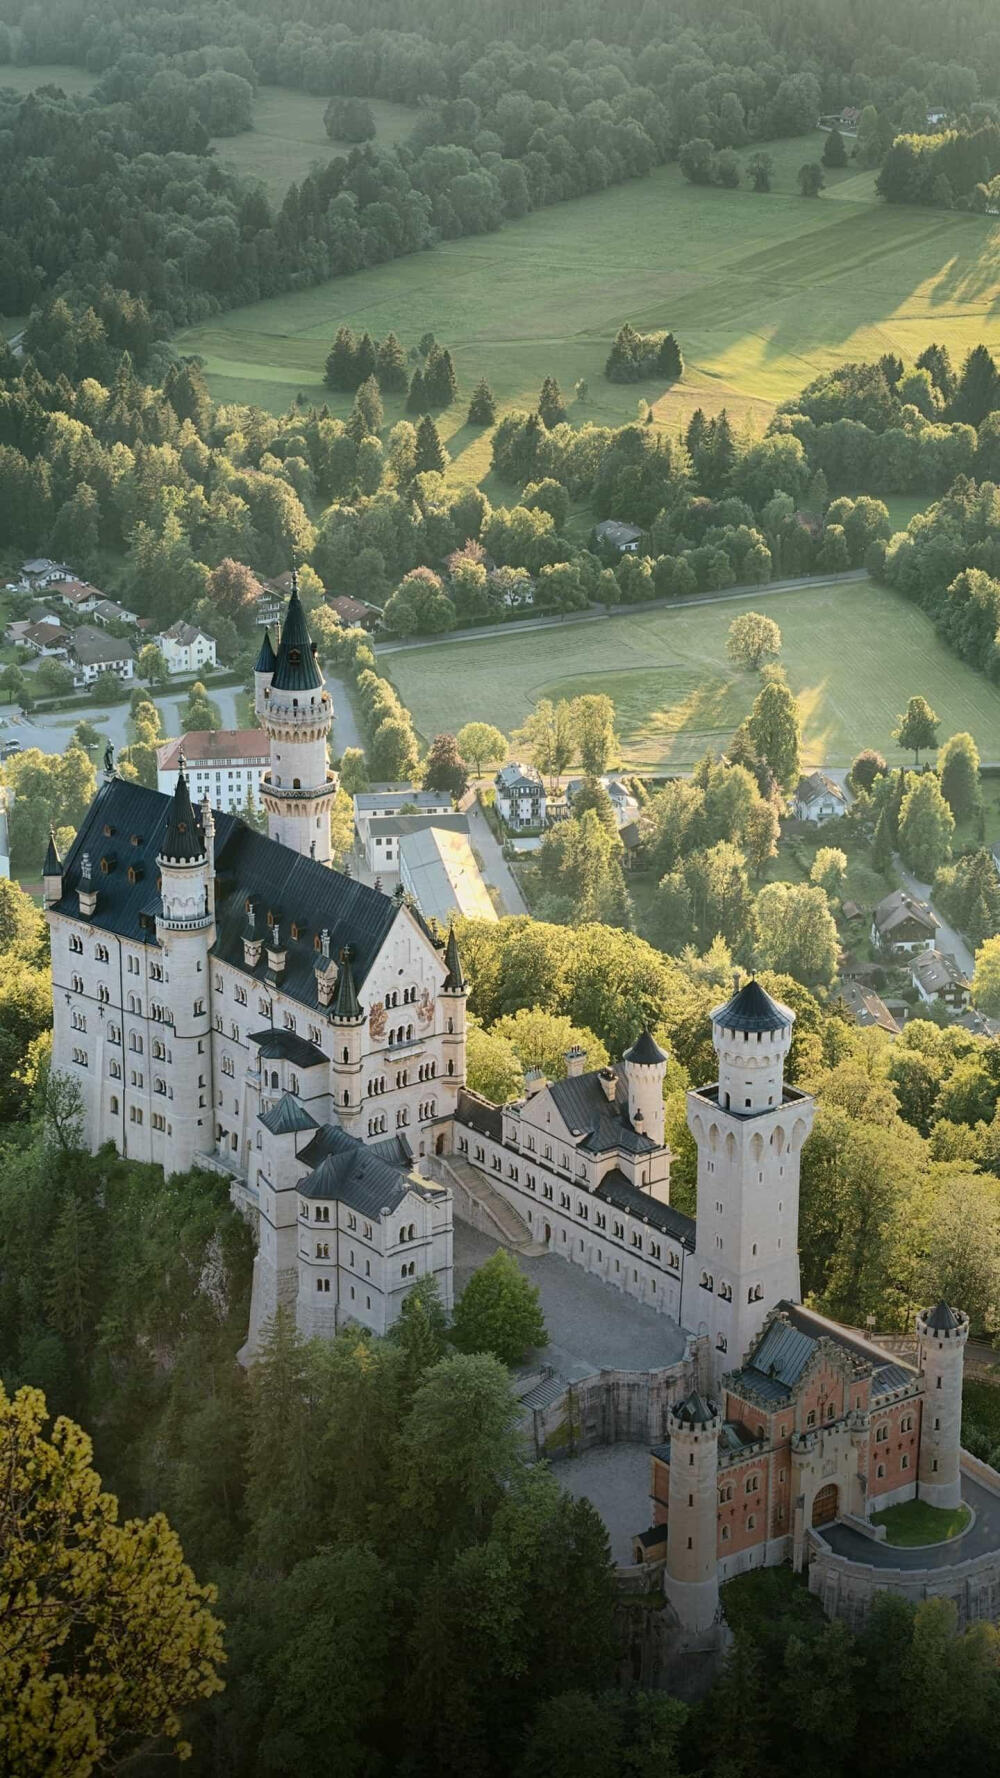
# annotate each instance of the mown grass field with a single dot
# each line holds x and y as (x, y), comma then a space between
(288, 136)
(762, 290)
(853, 652)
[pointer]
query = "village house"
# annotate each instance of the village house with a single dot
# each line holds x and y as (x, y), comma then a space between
(868, 1009)
(617, 535)
(226, 765)
(93, 652)
(77, 595)
(376, 812)
(186, 649)
(624, 803)
(818, 798)
(936, 976)
(353, 612)
(41, 572)
(438, 867)
(902, 925)
(520, 797)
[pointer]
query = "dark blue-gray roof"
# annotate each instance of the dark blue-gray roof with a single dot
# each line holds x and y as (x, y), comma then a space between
(287, 1117)
(249, 866)
(618, 1189)
(784, 1348)
(645, 1051)
(345, 1169)
(288, 1047)
(599, 1123)
(942, 1318)
(295, 666)
(752, 1009)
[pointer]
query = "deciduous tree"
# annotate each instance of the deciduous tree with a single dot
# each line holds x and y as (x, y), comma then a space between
(499, 1312)
(753, 639)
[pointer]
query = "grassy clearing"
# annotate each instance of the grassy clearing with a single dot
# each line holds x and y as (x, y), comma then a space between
(25, 80)
(763, 292)
(853, 652)
(913, 1522)
(288, 136)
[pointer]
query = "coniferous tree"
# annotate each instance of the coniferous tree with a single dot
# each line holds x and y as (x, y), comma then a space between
(937, 360)
(978, 391)
(882, 843)
(367, 414)
(391, 366)
(431, 454)
(482, 407)
(365, 359)
(551, 406)
(416, 400)
(440, 381)
(341, 359)
(668, 359)
(834, 150)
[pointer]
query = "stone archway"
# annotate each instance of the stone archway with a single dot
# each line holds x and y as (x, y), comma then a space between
(826, 1504)
(548, 1234)
(439, 1144)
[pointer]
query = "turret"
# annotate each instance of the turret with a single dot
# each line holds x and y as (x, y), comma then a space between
(692, 1576)
(52, 874)
(749, 1128)
(645, 1068)
(752, 1035)
(348, 1021)
(185, 929)
(263, 670)
(942, 1333)
(296, 710)
(453, 997)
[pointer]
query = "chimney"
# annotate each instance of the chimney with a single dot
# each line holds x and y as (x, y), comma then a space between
(276, 954)
(609, 1084)
(534, 1081)
(575, 1059)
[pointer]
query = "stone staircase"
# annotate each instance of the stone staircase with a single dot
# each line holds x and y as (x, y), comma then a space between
(478, 1202)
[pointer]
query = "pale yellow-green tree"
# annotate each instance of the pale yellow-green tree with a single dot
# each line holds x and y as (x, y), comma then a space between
(105, 1635)
(541, 1039)
(986, 978)
(492, 1065)
(752, 639)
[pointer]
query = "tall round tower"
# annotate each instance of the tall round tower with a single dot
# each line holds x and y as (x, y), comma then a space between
(752, 1035)
(185, 930)
(645, 1067)
(941, 1336)
(298, 790)
(692, 1576)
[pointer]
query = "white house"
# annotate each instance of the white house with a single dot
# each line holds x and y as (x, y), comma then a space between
(520, 796)
(186, 649)
(41, 571)
(375, 812)
(625, 805)
(226, 765)
(818, 798)
(93, 652)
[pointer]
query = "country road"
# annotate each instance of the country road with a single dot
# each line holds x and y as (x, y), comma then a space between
(606, 613)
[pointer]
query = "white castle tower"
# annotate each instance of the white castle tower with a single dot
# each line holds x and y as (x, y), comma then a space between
(749, 1127)
(186, 932)
(296, 710)
(645, 1067)
(941, 1336)
(692, 1576)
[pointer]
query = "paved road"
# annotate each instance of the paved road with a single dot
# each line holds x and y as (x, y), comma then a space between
(948, 939)
(346, 732)
(495, 867)
(50, 730)
(604, 613)
(983, 1537)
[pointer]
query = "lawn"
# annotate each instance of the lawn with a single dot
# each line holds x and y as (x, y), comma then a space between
(762, 290)
(913, 1522)
(25, 80)
(288, 136)
(854, 653)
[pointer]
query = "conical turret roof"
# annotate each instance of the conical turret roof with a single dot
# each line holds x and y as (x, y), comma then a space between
(751, 1009)
(695, 1411)
(183, 837)
(346, 1004)
(265, 661)
(53, 863)
(942, 1318)
(645, 1051)
(295, 666)
(454, 981)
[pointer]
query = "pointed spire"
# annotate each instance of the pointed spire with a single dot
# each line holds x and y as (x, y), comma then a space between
(265, 662)
(454, 982)
(53, 863)
(346, 1004)
(295, 667)
(182, 839)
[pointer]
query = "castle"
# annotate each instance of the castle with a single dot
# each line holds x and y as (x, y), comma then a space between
(226, 998)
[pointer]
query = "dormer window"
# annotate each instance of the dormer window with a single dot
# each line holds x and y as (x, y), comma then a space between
(108, 830)
(135, 839)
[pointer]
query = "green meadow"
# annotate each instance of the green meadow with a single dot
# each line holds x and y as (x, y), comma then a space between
(762, 290)
(854, 652)
(288, 137)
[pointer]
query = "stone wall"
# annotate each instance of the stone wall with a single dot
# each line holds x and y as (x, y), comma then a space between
(613, 1407)
(846, 1589)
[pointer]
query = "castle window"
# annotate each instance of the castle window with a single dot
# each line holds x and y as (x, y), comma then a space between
(198, 1008)
(880, 1472)
(113, 1104)
(904, 1461)
(811, 1417)
(751, 1521)
(752, 1484)
(135, 1115)
(158, 1121)
(881, 1434)
(115, 1069)
(906, 1423)
(75, 942)
(721, 1344)
(101, 953)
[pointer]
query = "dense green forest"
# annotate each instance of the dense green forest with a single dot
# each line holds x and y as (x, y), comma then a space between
(132, 197)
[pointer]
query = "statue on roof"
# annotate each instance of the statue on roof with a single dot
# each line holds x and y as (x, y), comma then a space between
(109, 760)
